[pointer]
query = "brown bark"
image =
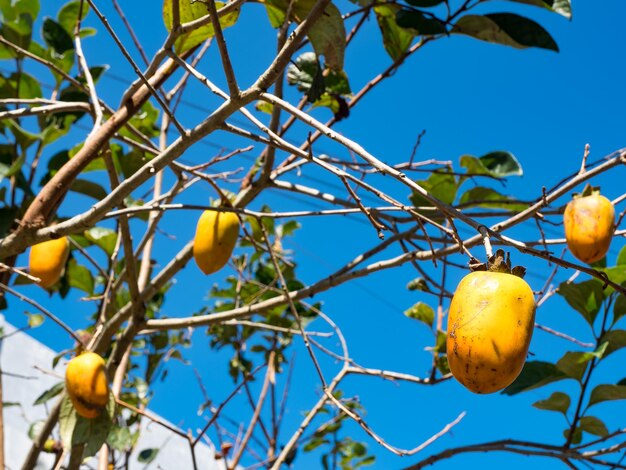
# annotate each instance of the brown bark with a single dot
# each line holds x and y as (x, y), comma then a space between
(51, 195)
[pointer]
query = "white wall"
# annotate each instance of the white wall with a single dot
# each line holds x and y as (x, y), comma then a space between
(24, 361)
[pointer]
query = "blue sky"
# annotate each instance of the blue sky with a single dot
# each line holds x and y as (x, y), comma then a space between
(471, 98)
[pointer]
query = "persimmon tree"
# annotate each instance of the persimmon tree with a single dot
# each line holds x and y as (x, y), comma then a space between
(136, 158)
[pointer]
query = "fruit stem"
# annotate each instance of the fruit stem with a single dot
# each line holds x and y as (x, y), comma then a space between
(584, 162)
(500, 262)
(485, 233)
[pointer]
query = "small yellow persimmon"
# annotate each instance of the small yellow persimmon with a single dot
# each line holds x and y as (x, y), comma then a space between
(47, 260)
(86, 384)
(216, 236)
(588, 221)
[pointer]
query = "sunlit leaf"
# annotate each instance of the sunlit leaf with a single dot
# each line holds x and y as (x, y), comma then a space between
(105, 238)
(574, 364)
(190, 11)
(562, 7)
(421, 312)
(68, 14)
(614, 339)
(327, 34)
(34, 319)
(80, 277)
(395, 39)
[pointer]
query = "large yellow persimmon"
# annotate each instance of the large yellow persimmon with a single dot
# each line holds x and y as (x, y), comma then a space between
(86, 384)
(47, 260)
(589, 220)
(216, 236)
(490, 325)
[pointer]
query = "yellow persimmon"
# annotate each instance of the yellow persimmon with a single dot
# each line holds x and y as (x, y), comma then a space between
(86, 384)
(490, 325)
(47, 260)
(588, 221)
(216, 236)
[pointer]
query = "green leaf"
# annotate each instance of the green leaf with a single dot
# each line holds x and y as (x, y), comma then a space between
(68, 15)
(314, 443)
(35, 429)
(56, 37)
(619, 308)
(76, 430)
(607, 392)
(616, 274)
(7, 218)
(585, 297)
(395, 39)
(558, 401)
(621, 257)
(34, 319)
(574, 364)
(498, 164)
(307, 76)
(67, 422)
(327, 35)
(421, 312)
(17, 21)
(562, 7)
(50, 393)
(323, 88)
(418, 284)
(80, 277)
(534, 374)
(105, 238)
(7, 171)
(593, 425)
(614, 339)
(120, 438)
(147, 455)
(88, 188)
(20, 85)
(489, 198)
(190, 11)
(275, 15)
(577, 435)
(418, 22)
(442, 185)
(507, 29)
(264, 107)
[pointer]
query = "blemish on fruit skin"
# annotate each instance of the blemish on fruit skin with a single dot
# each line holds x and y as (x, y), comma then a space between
(495, 348)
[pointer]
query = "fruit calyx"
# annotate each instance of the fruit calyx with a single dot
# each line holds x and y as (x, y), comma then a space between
(588, 190)
(499, 262)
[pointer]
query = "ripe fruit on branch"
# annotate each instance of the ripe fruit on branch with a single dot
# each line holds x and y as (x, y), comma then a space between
(86, 384)
(47, 260)
(589, 220)
(216, 236)
(490, 324)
